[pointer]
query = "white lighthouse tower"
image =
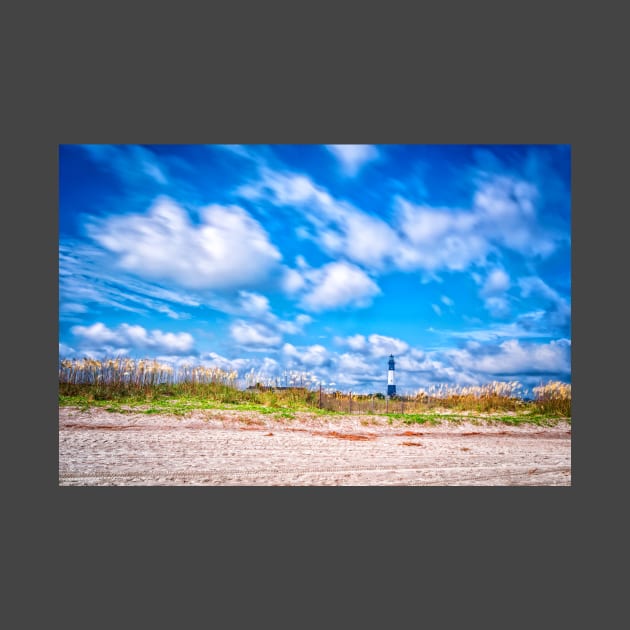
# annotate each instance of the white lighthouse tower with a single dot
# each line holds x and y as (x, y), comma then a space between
(391, 386)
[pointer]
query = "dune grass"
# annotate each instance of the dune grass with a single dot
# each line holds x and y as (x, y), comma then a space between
(127, 386)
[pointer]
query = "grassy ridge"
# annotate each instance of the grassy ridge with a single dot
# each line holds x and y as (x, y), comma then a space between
(175, 400)
(148, 386)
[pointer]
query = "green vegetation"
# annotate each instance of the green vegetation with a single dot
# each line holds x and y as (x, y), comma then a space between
(419, 418)
(172, 405)
(127, 386)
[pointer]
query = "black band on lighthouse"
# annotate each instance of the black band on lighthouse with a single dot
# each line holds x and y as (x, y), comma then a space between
(391, 385)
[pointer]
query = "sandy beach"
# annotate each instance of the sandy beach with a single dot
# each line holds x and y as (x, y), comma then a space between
(244, 448)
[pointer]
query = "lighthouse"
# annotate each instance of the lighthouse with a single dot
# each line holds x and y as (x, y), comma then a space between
(391, 387)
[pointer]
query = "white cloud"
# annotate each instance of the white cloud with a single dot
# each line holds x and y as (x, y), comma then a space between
(262, 366)
(376, 346)
(560, 312)
(502, 213)
(497, 306)
(497, 281)
(447, 300)
(240, 150)
(437, 309)
(258, 328)
(423, 368)
(292, 281)
(493, 291)
(338, 284)
(309, 356)
(352, 157)
(426, 277)
(533, 285)
(511, 357)
(256, 307)
(494, 332)
(303, 319)
(358, 343)
(66, 351)
(294, 327)
(506, 208)
(85, 280)
(437, 238)
(285, 189)
(355, 365)
(98, 335)
(340, 229)
(228, 250)
(357, 236)
(268, 366)
(254, 336)
(72, 308)
(254, 304)
(212, 359)
(381, 345)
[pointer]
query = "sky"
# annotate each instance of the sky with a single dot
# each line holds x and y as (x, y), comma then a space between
(322, 260)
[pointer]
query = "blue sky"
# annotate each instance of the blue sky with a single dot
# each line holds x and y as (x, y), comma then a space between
(321, 259)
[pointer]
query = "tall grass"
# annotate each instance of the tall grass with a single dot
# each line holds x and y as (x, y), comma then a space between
(553, 397)
(148, 380)
(494, 396)
(139, 380)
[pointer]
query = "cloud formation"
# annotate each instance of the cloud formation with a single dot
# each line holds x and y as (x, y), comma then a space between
(558, 311)
(336, 226)
(263, 329)
(511, 357)
(352, 157)
(86, 280)
(254, 336)
(494, 292)
(337, 285)
(374, 345)
(227, 250)
(314, 356)
(133, 338)
(502, 214)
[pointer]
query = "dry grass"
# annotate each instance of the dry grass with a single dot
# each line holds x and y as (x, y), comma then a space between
(149, 380)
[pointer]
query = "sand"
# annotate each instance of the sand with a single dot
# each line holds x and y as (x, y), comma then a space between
(236, 448)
